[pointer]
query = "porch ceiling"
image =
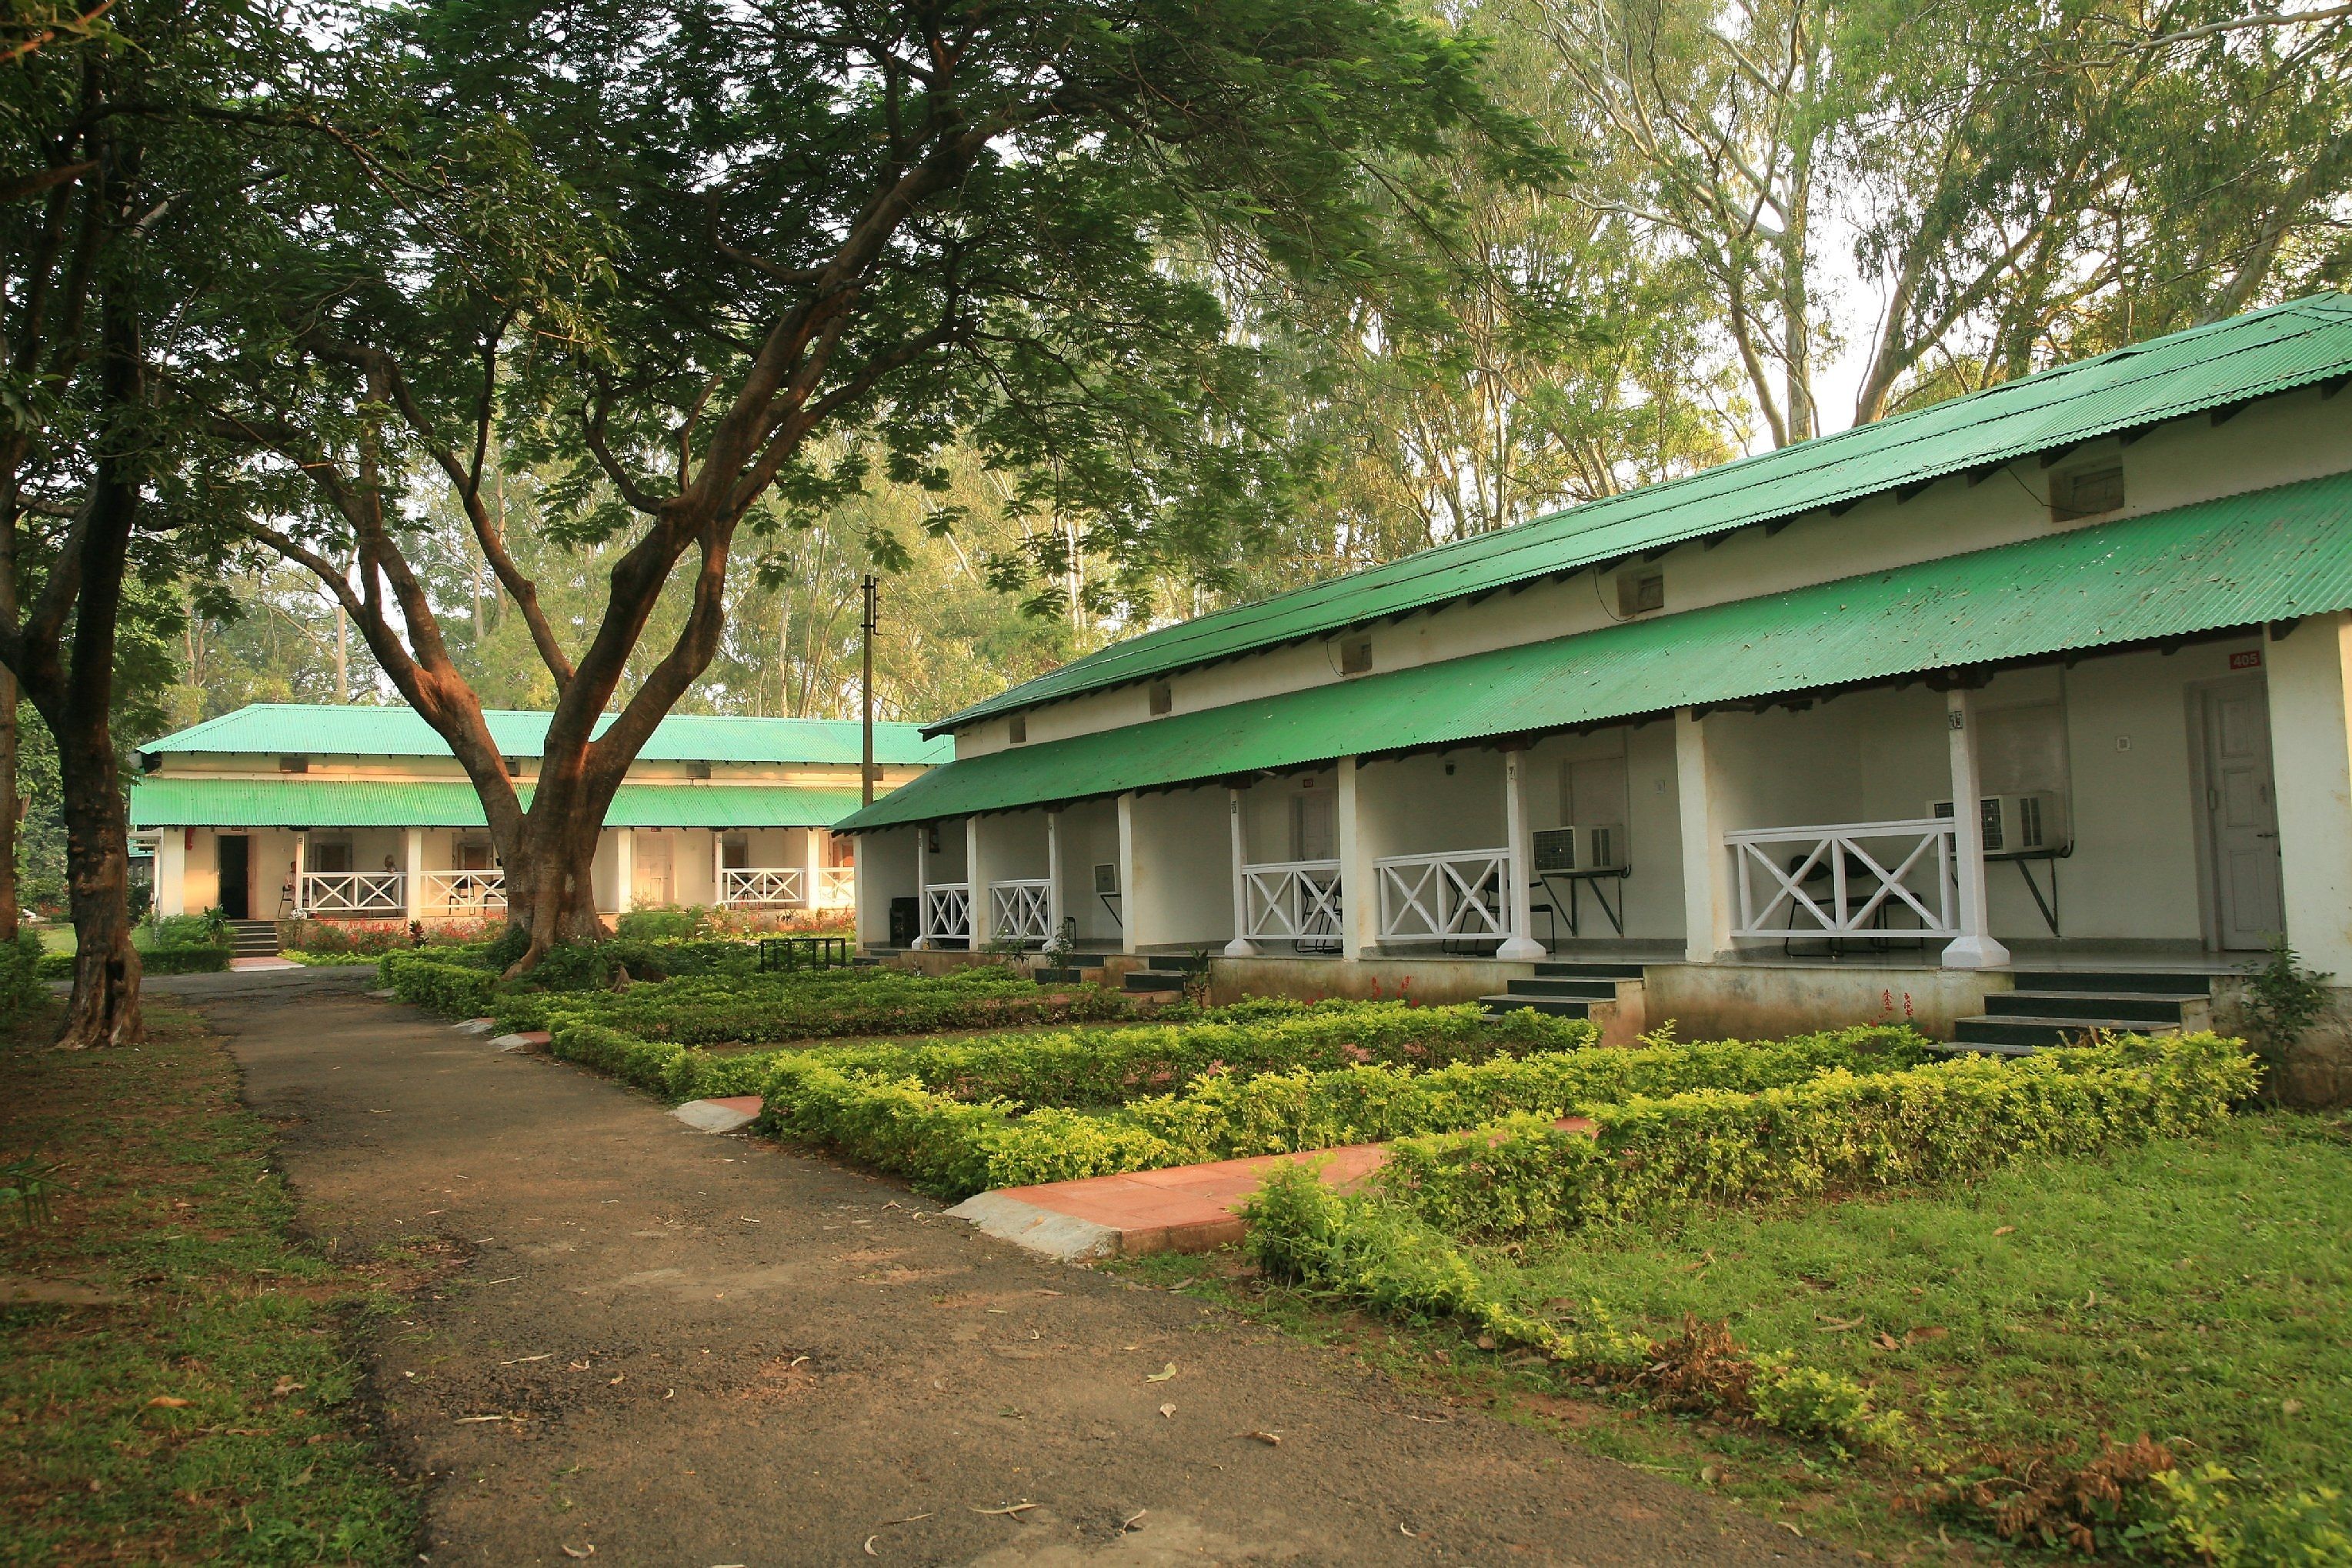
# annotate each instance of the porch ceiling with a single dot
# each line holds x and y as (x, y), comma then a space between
(2264, 556)
(166, 801)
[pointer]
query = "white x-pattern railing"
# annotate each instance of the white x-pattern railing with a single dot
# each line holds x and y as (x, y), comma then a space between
(760, 884)
(836, 885)
(947, 909)
(466, 889)
(354, 893)
(1291, 901)
(1444, 897)
(1847, 879)
(1021, 911)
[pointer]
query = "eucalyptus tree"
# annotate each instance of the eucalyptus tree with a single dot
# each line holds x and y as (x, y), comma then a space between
(664, 248)
(2017, 182)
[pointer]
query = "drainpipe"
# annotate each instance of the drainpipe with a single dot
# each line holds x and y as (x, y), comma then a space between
(1974, 948)
(1241, 946)
(1519, 946)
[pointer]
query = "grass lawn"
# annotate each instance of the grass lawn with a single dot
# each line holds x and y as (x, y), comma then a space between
(194, 1396)
(2192, 1291)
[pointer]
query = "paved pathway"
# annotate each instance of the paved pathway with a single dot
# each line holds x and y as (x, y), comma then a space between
(705, 1351)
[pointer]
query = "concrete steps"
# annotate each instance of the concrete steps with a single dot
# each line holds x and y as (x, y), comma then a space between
(2056, 1007)
(253, 939)
(1564, 989)
(1166, 972)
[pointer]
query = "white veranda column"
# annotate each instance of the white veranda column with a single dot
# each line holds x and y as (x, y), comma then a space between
(1358, 897)
(412, 881)
(922, 886)
(2310, 685)
(718, 865)
(1127, 924)
(1521, 944)
(811, 867)
(1241, 946)
(1707, 863)
(172, 871)
(1974, 948)
(624, 869)
(975, 885)
(1053, 875)
(301, 865)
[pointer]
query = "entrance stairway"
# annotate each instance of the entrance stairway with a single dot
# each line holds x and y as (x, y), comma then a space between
(253, 939)
(1563, 989)
(2056, 1006)
(1168, 971)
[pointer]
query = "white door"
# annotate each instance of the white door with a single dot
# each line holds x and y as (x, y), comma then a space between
(653, 854)
(2242, 814)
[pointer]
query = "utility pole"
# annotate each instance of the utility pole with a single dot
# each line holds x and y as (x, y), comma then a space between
(865, 623)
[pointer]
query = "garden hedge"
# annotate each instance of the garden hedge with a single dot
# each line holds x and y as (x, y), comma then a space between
(22, 986)
(827, 1004)
(953, 1147)
(1838, 1131)
(426, 978)
(176, 960)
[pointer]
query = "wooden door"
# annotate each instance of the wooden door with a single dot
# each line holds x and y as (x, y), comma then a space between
(654, 855)
(2242, 814)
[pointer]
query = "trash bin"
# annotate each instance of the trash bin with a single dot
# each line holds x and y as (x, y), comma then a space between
(905, 922)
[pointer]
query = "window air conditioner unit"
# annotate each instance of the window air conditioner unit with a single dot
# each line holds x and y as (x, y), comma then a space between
(2013, 823)
(1555, 849)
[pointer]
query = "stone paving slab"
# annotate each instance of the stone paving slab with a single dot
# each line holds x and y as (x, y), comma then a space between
(1184, 1208)
(722, 1115)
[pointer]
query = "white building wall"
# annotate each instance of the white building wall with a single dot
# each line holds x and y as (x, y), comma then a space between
(2310, 673)
(1179, 892)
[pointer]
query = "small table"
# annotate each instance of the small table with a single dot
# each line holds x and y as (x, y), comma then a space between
(1577, 880)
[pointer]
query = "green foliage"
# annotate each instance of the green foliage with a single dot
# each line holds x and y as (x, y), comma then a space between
(23, 980)
(427, 979)
(675, 924)
(209, 929)
(1838, 1131)
(26, 1184)
(952, 1146)
(190, 959)
(818, 1004)
(2283, 999)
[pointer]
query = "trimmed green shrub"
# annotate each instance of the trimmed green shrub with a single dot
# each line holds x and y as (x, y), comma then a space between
(423, 978)
(954, 1147)
(819, 1004)
(185, 960)
(674, 925)
(1837, 1131)
(22, 987)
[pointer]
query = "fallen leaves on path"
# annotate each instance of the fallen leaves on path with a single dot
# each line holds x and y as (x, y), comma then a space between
(1271, 1439)
(1167, 1410)
(1009, 1508)
(1162, 1375)
(588, 1550)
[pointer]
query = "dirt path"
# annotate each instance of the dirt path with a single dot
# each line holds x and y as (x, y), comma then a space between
(708, 1351)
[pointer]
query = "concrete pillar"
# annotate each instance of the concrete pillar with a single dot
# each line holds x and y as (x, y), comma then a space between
(922, 886)
(624, 869)
(811, 867)
(1521, 944)
(1241, 946)
(1974, 948)
(718, 865)
(1360, 902)
(2310, 681)
(1706, 865)
(172, 871)
(302, 863)
(975, 882)
(1053, 875)
(412, 881)
(1126, 942)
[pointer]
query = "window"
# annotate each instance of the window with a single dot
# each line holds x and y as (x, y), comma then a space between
(2086, 492)
(840, 850)
(1356, 656)
(328, 855)
(1163, 697)
(1639, 593)
(1019, 728)
(474, 855)
(734, 854)
(293, 764)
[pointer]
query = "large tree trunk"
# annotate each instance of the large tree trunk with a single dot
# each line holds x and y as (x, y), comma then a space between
(105, 1006)
(551, 885)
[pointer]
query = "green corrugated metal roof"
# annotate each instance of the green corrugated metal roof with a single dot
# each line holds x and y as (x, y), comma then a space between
(2263, 556)
(2266, 351)
(167, 800)
(327, 730)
